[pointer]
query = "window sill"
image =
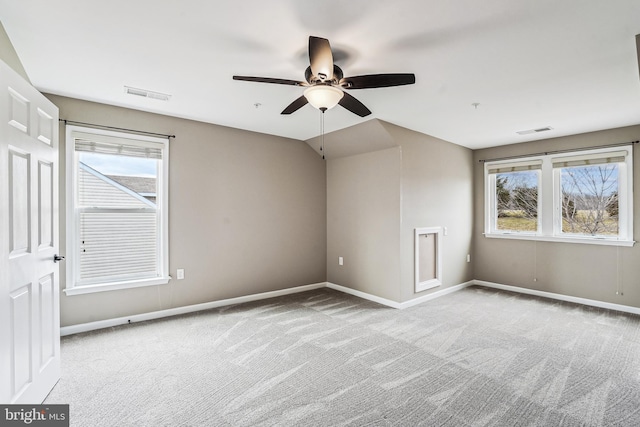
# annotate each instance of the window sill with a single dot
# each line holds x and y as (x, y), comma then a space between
(114, 286)
(581, 240)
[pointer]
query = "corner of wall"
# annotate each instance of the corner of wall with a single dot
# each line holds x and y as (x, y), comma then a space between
(9, 55)
(437, 191)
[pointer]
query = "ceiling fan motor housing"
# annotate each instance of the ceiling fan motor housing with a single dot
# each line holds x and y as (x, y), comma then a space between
(311, 79)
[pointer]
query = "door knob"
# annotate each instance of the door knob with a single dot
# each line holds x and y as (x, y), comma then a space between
(57, 258)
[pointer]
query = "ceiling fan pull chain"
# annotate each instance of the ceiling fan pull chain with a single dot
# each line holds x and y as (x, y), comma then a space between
(322, 132)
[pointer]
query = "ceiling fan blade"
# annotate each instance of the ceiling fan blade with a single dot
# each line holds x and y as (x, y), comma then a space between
(295, 105)
(321, 58)
(353, 105)
(270, 80)
(377, 80)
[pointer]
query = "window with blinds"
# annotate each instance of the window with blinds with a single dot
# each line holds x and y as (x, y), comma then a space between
(584, 196)
(117, 219)
(589, 194)
(514, 202)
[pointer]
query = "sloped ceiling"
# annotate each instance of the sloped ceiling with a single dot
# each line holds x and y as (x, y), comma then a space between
(569, 64)
(358, 139)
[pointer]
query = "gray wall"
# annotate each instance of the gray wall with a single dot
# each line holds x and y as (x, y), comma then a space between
(437, 191)
(8, 54)
(363, 222)
(375, 201)
(247, 214)
(586, 271)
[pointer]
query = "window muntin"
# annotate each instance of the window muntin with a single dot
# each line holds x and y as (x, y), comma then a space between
(117, 210)
(588, 197)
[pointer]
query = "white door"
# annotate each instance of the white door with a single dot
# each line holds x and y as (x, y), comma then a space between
(29, 282)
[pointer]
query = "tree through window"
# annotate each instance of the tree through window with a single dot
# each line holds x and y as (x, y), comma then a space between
(583, 196)
(590, 200)
(517, 201)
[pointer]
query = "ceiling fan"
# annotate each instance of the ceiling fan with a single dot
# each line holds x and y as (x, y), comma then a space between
(325, 82)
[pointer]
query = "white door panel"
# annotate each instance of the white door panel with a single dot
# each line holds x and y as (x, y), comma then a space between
(29, 236)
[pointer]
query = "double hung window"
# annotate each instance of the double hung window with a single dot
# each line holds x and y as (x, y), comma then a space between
(581, 197)
(116, 210)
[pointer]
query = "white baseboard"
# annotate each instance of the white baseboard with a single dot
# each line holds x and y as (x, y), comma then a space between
(92, 326)
(395, 304)
(577, 300)
(101, 324)
(364, 295)
(435, 295)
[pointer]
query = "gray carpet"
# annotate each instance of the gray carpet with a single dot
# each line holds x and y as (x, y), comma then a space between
(477, 357)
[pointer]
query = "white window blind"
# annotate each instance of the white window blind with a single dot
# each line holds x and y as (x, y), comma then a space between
(590, 160)
(117, 146)
(514, 167)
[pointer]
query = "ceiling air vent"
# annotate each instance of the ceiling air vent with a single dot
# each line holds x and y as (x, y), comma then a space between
(146, 93)
(530, 131)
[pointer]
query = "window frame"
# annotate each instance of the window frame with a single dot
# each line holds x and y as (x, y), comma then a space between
(549, 195)
(72, 213)
(490, 184)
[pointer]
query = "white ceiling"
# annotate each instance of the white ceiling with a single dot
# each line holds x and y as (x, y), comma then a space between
(569, 64)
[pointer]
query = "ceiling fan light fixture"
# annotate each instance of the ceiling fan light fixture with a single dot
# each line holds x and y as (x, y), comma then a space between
(323, 97)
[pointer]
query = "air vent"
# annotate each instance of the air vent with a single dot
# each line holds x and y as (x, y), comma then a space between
(530, 131)
(146, 93)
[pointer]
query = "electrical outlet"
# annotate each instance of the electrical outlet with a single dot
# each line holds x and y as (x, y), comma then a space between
(468, 257)
(340, 260)
(180, 273)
